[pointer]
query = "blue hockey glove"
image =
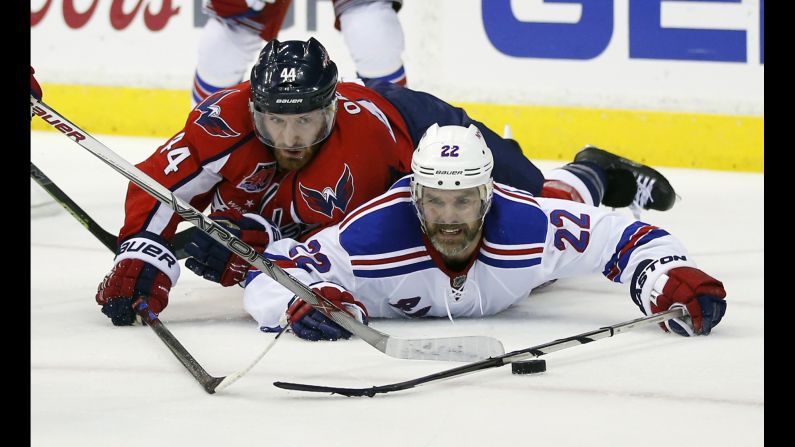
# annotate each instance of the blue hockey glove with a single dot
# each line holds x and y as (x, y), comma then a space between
(310, 324)
(214, 261)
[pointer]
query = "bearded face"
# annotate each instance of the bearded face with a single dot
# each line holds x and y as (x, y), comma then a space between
(453, 220)
(294, 138)
(453, 240)
(294, 159)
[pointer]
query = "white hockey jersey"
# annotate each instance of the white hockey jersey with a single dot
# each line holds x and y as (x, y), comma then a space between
(379, 253)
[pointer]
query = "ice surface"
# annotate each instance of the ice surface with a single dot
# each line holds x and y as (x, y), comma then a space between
(93, 384)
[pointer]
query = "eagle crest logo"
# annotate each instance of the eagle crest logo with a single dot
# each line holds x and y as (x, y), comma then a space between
(325, 201)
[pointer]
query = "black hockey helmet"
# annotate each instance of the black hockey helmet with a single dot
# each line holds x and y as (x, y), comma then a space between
(293, 77)
(293, 89)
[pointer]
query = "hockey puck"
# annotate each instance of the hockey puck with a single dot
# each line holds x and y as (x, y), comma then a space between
(529, 366)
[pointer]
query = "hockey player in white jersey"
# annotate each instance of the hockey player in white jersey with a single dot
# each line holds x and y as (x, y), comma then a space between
(446, 241)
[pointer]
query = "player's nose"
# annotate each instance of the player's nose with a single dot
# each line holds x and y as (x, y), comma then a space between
(292, 137)
(449, 214)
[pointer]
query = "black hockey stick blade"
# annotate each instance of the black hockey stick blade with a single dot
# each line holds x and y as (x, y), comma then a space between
(372, 391)
(493, 362)
(349, 392)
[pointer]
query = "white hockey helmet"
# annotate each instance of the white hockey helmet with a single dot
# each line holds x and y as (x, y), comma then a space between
(452, 158)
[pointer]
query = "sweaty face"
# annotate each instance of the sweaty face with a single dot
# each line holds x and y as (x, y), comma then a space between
(452, 220)
(294, 138)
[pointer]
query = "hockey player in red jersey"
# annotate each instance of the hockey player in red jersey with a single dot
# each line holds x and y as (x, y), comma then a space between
(245, 152)
(294, 146)
(236, 30)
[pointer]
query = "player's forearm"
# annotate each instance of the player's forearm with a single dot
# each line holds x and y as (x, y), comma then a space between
(266, 301)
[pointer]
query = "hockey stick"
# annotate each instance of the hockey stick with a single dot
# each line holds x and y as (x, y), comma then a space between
(495, 362)
(210, 383)
(106, 238)
(450, 349)
(232, 378)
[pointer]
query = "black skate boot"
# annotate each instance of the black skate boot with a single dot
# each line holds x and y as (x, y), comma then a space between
(630, 183)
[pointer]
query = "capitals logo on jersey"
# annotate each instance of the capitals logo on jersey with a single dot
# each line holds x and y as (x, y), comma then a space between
(210, 117)
(260, 178)
(324, 202)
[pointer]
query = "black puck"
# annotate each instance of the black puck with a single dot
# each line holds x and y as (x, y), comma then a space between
(529, 366)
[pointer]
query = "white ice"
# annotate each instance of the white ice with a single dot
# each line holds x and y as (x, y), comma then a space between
(93, 384)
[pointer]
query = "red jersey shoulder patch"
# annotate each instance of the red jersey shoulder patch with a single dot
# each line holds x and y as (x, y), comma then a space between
(259, 179)
(210, 119)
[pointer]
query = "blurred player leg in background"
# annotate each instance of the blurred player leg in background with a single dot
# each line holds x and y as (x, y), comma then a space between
(234, 33)
(374, 38)
(224, 53)
(238, 29)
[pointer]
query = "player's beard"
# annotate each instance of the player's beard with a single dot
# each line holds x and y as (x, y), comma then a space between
(453, 245)
(293, 160)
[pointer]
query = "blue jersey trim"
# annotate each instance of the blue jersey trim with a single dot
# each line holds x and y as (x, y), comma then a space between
(505, 264)
(395, 271)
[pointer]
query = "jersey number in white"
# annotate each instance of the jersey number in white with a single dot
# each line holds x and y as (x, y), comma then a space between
(175, 156)
(354, 108)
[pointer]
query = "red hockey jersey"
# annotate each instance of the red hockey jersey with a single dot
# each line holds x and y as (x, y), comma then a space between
(216, 160)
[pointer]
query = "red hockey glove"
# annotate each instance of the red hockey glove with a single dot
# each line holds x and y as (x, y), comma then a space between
(145, 270)
(310, 324)
(232, 9)
(702, 296)
(214, 261)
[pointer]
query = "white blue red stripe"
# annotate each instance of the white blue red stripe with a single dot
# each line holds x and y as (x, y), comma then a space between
(395, 195)
(391, 264)
(634, 236)
(511, 256)
(396, 77)
(515, 195)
